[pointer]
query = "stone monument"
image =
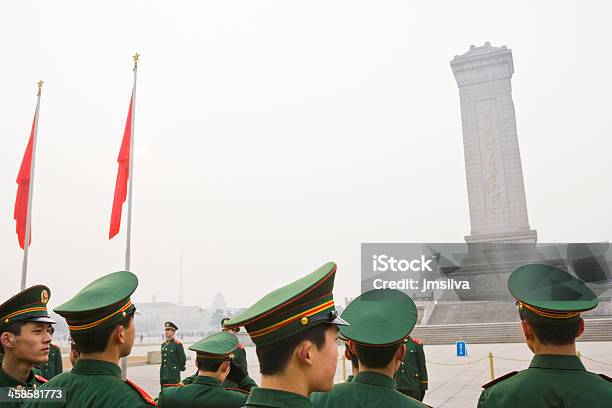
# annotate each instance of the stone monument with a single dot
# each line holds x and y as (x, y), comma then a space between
(496, 192)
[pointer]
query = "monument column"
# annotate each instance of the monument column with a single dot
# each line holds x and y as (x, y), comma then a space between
(496, 191)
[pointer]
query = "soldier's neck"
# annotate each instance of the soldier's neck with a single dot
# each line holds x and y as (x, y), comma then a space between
(109, 355)
(388, 371)
(214, 374)
(288, 381)
(18, 369)
(567, 350)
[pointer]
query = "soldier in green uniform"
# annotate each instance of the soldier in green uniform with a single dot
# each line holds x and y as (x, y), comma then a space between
(173, 357)
(216, 362)
(240, 357)
(100, 318)
(294, 329)
(550, 301)
(411, 378)
(381, 320)
(53, 366)
(24, 339)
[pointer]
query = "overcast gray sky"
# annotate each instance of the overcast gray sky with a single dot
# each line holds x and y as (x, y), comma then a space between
(273, 136)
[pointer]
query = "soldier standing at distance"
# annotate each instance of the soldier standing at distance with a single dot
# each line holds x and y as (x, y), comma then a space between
(411, 378)
(173, 357)
(549, 301)
(24, 338)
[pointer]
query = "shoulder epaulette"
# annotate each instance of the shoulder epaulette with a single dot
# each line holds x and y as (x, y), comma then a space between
(40, 378)
(176, 341)
(238, 389)
(142, 393)
(498, 379)
(417, 341)
(605, 377)
(240, 346)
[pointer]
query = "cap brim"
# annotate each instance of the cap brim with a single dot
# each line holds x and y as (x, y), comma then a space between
(338, 321)
(41, 319)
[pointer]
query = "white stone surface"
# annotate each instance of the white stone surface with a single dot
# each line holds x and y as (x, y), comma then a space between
(496, 191)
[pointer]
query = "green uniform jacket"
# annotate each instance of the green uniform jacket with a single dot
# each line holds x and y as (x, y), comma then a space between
(412, 374)
(204, 392)
(550, 381)
(267, 398)
(368, 390)
(173, 361)
(94, 383)
(52, 367)
(33, 381)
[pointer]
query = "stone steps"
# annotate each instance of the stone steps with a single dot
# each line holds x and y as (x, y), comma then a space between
(507, 332)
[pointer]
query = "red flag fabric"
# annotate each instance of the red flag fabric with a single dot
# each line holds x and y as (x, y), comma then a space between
(123, 174)
(23, 191)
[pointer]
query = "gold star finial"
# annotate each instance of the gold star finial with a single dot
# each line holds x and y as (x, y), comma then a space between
(135, 57)
(40, 84)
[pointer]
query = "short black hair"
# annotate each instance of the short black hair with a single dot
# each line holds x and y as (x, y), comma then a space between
(376, 357)
(15, 329)
(209, 365)
(95, 342)
(273, 358)
(554, 334)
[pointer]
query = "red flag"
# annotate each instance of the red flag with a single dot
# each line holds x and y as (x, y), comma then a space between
(23, 191)
(123, 174)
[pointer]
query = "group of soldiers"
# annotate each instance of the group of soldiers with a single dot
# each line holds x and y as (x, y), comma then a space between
(295, 330)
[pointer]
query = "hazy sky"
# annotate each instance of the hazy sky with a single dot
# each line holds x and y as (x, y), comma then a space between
(273, 136)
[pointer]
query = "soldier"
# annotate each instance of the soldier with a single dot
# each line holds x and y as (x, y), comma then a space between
(24, 338)
(215, 362)
(295, 333)
(173, 357)
(550, 302)
(411, 378)
(240, 357)
(101, 322)
(381, 320)
(52, 367)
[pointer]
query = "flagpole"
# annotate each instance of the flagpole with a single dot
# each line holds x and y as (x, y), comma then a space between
(26, 243)
(124, 362)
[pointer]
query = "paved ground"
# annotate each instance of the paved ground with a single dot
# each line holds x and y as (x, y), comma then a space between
(453, 381)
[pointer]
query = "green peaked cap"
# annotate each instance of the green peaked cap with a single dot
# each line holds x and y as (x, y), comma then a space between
(549, 294)
(291, 309)
(379, 317)
(218, 346)
(29, 305)
(103, 303)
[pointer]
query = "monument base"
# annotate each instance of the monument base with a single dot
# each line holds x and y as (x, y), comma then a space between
(526, 237)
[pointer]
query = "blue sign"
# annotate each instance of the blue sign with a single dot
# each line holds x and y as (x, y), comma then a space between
(461, 348)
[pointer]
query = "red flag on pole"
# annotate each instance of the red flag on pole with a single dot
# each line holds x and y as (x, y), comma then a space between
(23, 191)
(123, 174)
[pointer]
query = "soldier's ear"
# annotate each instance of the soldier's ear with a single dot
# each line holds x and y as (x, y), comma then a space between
(580, 327)
(303, 351)
(527, 330)
(7, 339)
(401, 352)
